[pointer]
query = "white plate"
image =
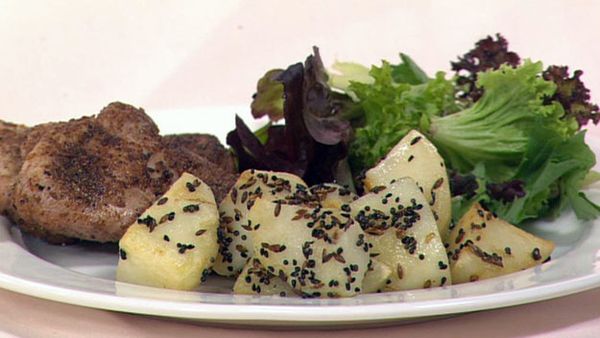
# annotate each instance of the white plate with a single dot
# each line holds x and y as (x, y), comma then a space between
(84, 274)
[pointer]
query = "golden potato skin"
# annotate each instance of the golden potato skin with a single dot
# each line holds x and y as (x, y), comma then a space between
(404, 236)
(235, 233)
(174, 243)
(416, 157)
(321, 252)
(483, 246)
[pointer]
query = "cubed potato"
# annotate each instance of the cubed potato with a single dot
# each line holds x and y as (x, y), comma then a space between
(404, 236)
(376, 277)
(321, 252)
(235, 235)
(484, 246)
(256, 280)
(331, 195)
(415, 157)
(174, 243)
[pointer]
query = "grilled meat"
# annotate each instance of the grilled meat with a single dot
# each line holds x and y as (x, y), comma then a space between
(92, 177)
(205, 145)
(11, 138)
(220, 176)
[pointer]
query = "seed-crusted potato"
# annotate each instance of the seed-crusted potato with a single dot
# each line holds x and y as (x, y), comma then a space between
(257, 280)
(318, 251)
(483, 246)
(235, 230)
(404, 236)
(376, 278)
(331, 195)
(174, 243)
(414, 156)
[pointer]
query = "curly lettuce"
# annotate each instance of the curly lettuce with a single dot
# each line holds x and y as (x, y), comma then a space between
(513, 144)
(390, 109)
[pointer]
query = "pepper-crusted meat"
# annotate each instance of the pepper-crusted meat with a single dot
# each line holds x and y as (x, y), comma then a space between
(205, 145)
(88, 178)
(92, 177)
(11, 137)
(220, 176)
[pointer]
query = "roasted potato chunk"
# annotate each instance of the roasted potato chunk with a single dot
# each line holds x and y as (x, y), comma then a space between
(235, 230)
(255, 279)
(320, 252)
(484, 246)
(415, 157)
(403, 234)
(174, 243)
(376, 277)
(331, 195)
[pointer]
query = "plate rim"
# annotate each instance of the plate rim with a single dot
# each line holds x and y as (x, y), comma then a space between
(311, 314)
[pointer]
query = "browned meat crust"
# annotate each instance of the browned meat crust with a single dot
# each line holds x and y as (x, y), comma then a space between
(205, 145)
(11, 138)
(91, 178)
(88, 178)
(218, 178)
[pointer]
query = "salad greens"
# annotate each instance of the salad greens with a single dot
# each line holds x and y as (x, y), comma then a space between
(313, 143)
(509, 130)
(496, 130)
(390, 109)
(487, 54)
(268, 99)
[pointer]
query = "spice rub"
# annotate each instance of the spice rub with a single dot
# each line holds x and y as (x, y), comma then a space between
(90, 178)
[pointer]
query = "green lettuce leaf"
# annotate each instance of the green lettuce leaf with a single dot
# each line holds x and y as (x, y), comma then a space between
(524, 149)
(408, 72)
(553, 170)
(495, 130)
(268, 99)
(391, 109)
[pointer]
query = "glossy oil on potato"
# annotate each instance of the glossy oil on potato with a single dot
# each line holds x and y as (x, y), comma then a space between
(404, 236)
(415, 157)
(174, 243)
(321, 252)
(482, 246)
(235, 236)
(255, 279)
